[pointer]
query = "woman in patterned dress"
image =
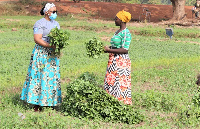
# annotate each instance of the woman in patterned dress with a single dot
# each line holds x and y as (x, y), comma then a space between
(118, 74)
(42, 85)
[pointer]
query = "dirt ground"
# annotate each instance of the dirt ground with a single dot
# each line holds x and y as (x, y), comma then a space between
(108, 10)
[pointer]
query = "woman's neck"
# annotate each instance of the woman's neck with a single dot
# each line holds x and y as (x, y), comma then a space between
(123, 26)
(47, 18)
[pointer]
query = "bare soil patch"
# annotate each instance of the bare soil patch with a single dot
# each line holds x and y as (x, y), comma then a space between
(149, 86)
(12, 90)
(108, 10)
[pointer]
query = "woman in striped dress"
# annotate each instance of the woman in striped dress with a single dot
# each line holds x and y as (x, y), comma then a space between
(118, 75)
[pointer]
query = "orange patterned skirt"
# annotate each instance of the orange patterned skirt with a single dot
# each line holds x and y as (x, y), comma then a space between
(118, 77)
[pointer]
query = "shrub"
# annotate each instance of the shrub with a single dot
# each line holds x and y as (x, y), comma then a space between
(84, 99)
(88, 77)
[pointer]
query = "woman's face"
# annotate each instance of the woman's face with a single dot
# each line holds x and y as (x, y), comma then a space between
(117, 21)
(51, 10)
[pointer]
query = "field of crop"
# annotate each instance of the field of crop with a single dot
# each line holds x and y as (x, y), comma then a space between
(164, 72)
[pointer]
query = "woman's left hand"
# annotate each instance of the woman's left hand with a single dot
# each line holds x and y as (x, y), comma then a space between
(106, 48)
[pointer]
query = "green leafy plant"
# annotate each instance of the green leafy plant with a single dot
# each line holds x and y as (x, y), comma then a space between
(59, 39)
(94, 48)
(88, 77)
(84, 99)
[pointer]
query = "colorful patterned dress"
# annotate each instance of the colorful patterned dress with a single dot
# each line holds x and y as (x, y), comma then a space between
(42, 85)
(118, 74)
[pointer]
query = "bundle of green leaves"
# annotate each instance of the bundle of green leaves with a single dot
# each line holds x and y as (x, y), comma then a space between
(59, 39)
(94, 48)
(85, 99)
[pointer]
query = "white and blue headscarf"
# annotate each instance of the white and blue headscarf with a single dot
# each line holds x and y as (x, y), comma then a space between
(48, 6)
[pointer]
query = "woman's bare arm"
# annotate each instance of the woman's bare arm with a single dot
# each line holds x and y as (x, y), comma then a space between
(38, 39)
(115, 51)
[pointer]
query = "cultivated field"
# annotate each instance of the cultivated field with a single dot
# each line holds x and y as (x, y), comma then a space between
(163, 72)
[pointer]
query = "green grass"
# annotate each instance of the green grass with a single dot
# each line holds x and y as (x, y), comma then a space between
(163, 72)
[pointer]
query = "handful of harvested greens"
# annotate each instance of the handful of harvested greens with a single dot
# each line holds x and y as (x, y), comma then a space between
(59, 39)
(94, 48)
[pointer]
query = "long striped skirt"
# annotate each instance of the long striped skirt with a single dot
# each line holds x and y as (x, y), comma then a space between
(118, 77)
(42, 85)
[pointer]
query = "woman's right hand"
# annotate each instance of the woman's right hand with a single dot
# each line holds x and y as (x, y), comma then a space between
(38, 39)
(54, 47)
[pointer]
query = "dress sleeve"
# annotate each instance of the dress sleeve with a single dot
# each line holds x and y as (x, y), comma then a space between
(58, 25)
(126, 39)
(37, 28)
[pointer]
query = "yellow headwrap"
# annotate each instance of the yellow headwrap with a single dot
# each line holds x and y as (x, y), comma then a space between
(124, 16)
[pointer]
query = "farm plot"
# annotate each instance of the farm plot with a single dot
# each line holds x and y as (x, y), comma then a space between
(163, 72)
